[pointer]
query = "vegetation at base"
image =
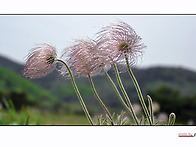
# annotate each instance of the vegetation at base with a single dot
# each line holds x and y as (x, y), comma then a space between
(171, 101)
(34, 116)
(38, 117)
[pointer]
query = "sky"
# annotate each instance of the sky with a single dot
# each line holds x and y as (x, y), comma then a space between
(170, 39)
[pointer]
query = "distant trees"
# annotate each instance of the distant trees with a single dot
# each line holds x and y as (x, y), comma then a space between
(171, 101)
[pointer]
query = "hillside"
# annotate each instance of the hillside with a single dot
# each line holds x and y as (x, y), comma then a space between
(12, 83)
(5, 62)
(150, 79)
(178, 79)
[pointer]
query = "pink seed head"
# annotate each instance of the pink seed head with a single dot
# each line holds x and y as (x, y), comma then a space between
(40, 61)
(83, 58)
(119, 40)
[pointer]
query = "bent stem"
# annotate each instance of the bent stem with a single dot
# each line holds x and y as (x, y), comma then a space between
(138, 91)
(125, 93)
(78, 93)
(172, 118)
(121, 99)
(150, 108)
(99, 99)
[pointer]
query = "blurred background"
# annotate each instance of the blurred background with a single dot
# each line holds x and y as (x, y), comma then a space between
(166, 72)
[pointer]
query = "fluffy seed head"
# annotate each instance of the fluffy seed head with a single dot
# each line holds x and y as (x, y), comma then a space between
(40, 61)
(84, 59)
(119, 40)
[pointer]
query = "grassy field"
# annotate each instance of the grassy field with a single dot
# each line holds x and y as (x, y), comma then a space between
(38, 117)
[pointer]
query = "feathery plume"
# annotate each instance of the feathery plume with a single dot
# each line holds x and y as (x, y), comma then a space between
(120, 40)
(40, 61)
(84, 59)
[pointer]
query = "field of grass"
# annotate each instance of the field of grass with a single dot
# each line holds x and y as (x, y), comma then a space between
(37, 116)
(32, 116)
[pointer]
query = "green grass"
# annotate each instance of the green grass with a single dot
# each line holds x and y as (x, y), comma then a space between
(32, 116)
(10, 81)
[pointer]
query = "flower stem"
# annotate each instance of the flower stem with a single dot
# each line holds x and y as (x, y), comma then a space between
(99, 99)
(150, 108)
(78, 93)
(125, 94)
(138, 91)
(121, 99)
(172, 118)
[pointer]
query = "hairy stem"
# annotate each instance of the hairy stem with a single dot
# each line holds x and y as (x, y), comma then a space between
(172, 118)
(138, 91)
(125, 93)
(121, 99)
(150, 108)
(99, 99)
(78, 93)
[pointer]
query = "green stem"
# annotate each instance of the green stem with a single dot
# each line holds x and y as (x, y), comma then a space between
(138, 91)
(172, 118)
(121, 99)
(99, 99)
(125, 93)
(78, 93)
(150, 108)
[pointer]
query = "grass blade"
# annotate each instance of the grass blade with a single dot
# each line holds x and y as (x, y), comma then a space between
(27, 121)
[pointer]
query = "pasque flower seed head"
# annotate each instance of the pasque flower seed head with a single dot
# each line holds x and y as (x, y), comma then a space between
(119, 40)
(40, 61)
(83, 58)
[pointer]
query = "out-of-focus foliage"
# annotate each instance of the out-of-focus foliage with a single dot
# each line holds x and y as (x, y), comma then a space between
(17, 88)
(33, 116)
(171, 101)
